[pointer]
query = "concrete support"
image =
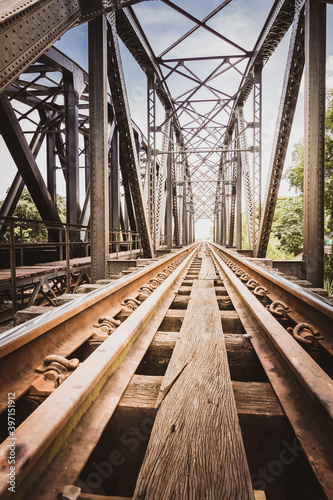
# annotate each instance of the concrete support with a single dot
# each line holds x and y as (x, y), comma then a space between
(314, 143)
(99, 223)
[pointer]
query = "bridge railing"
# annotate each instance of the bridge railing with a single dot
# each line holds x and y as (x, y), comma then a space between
(19, 236)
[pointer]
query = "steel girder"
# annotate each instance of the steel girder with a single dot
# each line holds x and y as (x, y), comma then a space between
(129, 158)
(276, 26)
(246, 175)
(278, 22)
(98, 120)
(288, 101)
(256, 177)
(233, 194)
(151, 160)
(314, 143)
(132, 35)
(161, 180)
(28, 28)
(25, 160)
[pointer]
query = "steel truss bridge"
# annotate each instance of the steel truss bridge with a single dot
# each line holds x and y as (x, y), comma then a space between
(196, 161)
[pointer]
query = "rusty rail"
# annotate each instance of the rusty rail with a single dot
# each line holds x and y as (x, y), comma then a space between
(39, 436)
(305, 391)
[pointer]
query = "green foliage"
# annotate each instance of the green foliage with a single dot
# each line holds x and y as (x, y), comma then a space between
(288, 225)
(26, 209)
(275, 250)
(295, 173)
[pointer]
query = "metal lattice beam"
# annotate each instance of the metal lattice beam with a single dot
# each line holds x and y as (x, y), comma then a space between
(289, 95)
(129, 164)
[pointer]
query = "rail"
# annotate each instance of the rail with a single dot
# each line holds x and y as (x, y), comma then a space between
(117, 325)
(70, 326)
(285, 348)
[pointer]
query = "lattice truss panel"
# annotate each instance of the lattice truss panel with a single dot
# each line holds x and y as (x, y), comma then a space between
(197, 74)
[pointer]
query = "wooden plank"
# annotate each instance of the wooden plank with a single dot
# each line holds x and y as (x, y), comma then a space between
(252, 398)
(207, 271)
(196, 448)
(244, 364)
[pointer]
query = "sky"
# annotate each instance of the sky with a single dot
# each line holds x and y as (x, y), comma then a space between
(241, 21)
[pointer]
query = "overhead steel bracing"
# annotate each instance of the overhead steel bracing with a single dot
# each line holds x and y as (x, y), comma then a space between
(191, 164)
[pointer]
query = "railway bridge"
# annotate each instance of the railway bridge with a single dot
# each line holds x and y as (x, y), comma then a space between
(138, 359)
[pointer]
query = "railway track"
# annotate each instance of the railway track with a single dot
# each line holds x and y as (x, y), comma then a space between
(130, 350)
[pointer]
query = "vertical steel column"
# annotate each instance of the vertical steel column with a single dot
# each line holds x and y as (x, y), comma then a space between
(175, 163)
(151, 158)
(168, 218)
(233, 193)
(238, 196)
(314, 144)
(114, 186)
(160, 187)
(257, 96)
(86, 163)
(72, 150)
(246, 175)
(99, 223)
(223, 213)
(184, 204)
(50, 165)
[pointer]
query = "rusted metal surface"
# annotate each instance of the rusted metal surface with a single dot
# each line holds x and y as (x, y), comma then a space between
(304, 306)
(65, 328)
(72, 399)
(305, 391)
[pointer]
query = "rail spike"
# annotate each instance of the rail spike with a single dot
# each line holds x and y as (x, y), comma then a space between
(252, 284)
(278, 309)
(57, 368)
(306, 334)
(107, 324)
(130, 304)
(260, 292)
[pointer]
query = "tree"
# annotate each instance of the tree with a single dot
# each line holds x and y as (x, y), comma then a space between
(287, 225)
(295, 173)
(26, 209)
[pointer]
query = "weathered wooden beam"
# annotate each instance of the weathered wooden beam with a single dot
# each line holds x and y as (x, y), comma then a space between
(244, 364)
(252, 398)
(173, 320)
(211, 460)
